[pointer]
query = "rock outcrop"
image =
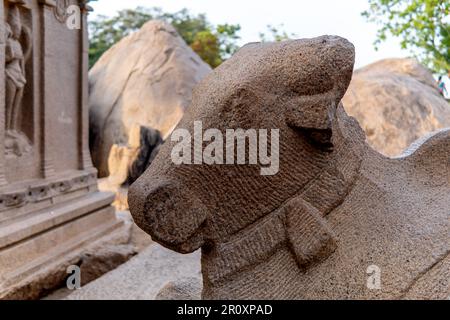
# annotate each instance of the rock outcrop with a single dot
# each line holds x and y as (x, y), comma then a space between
(396, 101)
(127, 162)
(100, 261)
(144, 80)
(184, 289)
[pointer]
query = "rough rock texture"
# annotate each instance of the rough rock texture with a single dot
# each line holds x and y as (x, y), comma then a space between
(127, 162)
(103, 259)
(396, 101)
(185, 289)
(138, 238)
(149, 144)
(142, 277)
(147, 80)
(335, 209)
(95, 263)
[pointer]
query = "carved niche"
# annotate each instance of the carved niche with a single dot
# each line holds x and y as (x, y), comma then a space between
(18, 51)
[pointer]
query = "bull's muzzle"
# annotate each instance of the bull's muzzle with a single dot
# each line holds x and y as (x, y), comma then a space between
(172, 215)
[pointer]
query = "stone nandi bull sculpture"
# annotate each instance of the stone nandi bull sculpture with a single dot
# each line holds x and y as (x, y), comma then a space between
(335, 211)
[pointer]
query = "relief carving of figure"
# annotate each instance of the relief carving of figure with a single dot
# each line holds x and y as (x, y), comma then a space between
(17, 52)
(61, 10)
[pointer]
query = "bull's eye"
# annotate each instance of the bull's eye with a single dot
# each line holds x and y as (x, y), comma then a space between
(320, 139)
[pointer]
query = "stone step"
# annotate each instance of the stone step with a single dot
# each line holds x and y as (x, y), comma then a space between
(142, 277)
(42, 220)
(34, 253)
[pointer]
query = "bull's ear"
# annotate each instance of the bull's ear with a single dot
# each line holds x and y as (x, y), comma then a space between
(311, 112)
(309, 236)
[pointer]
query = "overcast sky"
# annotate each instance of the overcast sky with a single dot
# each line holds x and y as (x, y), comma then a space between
(305, 18)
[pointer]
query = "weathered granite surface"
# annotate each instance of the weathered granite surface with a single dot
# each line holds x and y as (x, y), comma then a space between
(145, 80)
(336, 209)
(142, 277)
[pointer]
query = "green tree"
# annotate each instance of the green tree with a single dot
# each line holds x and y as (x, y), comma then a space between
(422, 25)
(104, 31)
(206, 44)
(212, 43)
(275, 34)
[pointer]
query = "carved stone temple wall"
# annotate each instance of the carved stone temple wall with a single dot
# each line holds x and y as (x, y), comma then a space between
(50, 208)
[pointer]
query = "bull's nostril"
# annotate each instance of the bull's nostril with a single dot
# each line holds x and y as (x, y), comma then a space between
(172, 216)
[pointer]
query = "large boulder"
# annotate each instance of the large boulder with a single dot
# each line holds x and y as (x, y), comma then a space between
(147, 80)
(126, 162)
(396, 101)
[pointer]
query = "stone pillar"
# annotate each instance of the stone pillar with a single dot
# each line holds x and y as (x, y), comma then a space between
(85, 161)
(46, 116)
(50, 208)
(2, 105)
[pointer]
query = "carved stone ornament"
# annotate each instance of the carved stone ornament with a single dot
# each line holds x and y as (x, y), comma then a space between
(18, 49)
(60, 10)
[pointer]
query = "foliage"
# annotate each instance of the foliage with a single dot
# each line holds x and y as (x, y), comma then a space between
(212, 43)
(422, 25)
(275, 34)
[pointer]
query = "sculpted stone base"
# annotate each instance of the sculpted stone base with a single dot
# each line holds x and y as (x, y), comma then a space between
(36, 251)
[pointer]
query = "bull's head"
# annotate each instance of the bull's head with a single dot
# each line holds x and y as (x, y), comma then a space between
(294, 86)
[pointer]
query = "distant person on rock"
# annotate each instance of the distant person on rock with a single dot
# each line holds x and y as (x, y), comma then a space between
(442, 88)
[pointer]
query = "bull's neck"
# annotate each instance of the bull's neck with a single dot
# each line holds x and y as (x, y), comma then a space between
(325, 193)
(330, 188)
